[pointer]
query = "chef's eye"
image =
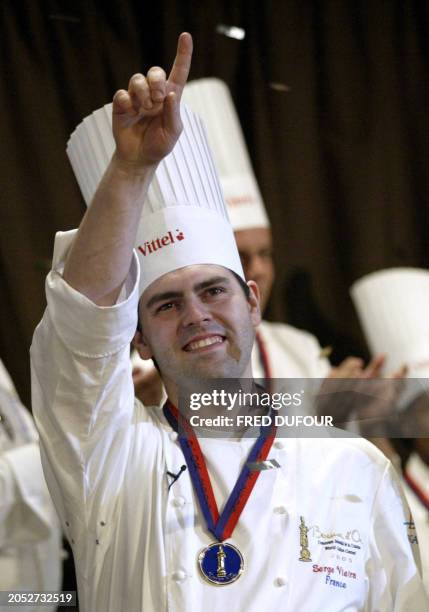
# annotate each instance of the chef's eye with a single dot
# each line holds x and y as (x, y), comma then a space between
(215, 290)
(165, 307)
(266, 254)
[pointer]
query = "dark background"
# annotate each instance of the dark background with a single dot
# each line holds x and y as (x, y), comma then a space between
(341, 156)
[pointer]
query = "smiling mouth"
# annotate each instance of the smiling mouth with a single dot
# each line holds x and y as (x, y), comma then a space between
(203, 343)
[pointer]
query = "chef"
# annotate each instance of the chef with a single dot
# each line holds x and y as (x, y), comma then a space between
(30, 538)
(392, 307)
(158, 519)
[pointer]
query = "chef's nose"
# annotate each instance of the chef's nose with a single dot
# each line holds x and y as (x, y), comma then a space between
(195, 312)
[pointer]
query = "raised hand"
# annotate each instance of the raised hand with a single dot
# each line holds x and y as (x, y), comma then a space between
(146, 116)
(355, 389)
(146, 126)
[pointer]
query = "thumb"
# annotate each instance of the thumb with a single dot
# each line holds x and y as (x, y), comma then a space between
(400, 373)
(172, 120)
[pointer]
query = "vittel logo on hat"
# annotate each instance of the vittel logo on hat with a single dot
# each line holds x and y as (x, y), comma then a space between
(154, 245)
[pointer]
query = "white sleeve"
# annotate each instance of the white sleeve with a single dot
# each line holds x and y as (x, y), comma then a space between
(26, 513)
(393, 566)
(82, 390)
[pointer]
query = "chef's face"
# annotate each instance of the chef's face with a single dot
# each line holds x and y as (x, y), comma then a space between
(255, 248)
(197, 323)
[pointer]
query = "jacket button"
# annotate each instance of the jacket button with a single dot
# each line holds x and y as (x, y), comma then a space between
(178, 576)
(279, 444)
(178, 502)
(280, 510)
(280, 581)
(173, 436)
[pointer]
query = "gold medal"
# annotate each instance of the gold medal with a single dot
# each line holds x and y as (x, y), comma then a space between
(221, 563)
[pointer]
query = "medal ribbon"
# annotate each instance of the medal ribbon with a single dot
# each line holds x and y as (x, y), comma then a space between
(417, 490)
(263, 355)
(221, 526)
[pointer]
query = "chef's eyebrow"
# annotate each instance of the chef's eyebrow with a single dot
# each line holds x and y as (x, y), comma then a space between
(172, 295)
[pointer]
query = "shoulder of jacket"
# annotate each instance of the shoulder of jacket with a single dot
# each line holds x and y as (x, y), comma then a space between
(287, 332)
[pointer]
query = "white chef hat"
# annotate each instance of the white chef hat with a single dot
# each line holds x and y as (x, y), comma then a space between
(184, 219)
(393, 307)
(212, 101)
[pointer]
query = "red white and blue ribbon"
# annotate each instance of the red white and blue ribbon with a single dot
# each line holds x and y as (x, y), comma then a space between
(221, 526)
(418, 491)
(265, 362)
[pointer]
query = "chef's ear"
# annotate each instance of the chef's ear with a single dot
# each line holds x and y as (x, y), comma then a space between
(254, 301)
(141, 345)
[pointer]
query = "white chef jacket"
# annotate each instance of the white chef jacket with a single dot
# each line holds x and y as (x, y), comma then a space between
(136, 543)
(295, 363)
(291, 352)
(30, 541)
(419, 472)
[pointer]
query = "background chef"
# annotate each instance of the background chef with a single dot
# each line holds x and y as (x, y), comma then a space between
(137, 540)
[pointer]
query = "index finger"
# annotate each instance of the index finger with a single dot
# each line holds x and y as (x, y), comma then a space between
(182, 64)
(373, 369)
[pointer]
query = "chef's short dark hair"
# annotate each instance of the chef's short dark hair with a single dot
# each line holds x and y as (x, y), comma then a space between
(242, 284)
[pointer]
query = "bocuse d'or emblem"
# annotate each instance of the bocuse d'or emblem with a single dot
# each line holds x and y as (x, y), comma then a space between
(305, 554)
(221, 563)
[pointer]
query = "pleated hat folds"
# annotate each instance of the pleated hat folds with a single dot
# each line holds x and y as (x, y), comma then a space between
(184, 218)
(393, 308)
(210, 98)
